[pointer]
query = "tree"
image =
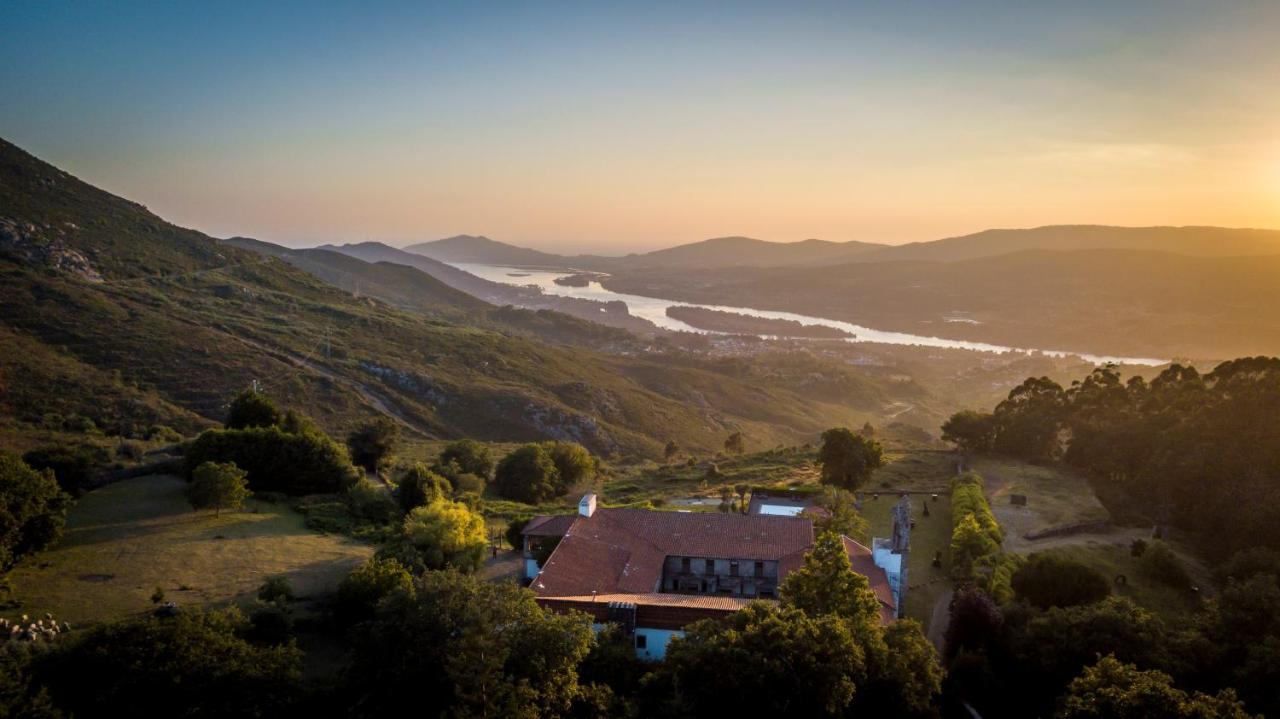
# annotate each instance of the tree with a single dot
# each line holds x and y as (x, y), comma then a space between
(252, 409)
(574, 464)
(735, 444)
(443, 534)
(671, 450)
(72, 466)
(359, 595)
(811, 665)
(372, 442)
(218, 486)
(527, 475)
(1111, 689)
(1029, 422)
(842, 515)
(848, 460)
(827, 584)
(470, 456)
(459, 646)
(172, 666)
(970, 431)
(1050, 579)
(420, 486)
(33, 510)
(275, 460)
(970, 546)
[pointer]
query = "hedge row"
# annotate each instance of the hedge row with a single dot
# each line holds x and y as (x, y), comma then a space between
(975, 535)
(277, 461)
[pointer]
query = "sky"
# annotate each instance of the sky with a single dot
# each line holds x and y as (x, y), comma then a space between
(592, 127)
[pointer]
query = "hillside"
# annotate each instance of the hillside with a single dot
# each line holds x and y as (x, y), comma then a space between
(1121, 302)
(1194, 241)
(747, 252)
(107, 294)
(470, 248)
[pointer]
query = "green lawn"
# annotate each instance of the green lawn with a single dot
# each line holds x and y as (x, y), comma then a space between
(925, 583)
(1169, 603)
(126, 539)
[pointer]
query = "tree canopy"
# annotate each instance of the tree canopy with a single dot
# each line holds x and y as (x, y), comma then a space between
(442, 534)
(218, 486)
(252, 409)
(33, 509)
(372, 442)
(848, 459)
(528, 474)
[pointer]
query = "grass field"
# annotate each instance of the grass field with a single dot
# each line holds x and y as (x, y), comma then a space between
(1168, 602)
(126, 539)
(1056, 497)
(925, 583)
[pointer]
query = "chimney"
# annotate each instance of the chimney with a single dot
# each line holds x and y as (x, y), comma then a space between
(587, 506)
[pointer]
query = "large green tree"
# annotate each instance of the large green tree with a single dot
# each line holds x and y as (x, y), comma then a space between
(970, 431)
(419, 486)
(827, 584)
(848, 459)
(1111, 689)
(194, 664)
(252, 409)
(218, 486)
(441, 535)
(763, 661)
(372, 442)
(458, 646)
(528, 474)
(470, 457)
(33, 509)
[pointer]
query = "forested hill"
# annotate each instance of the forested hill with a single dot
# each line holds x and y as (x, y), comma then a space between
(123, 318)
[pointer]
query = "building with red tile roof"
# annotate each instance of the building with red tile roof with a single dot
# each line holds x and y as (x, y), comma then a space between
(655, 571)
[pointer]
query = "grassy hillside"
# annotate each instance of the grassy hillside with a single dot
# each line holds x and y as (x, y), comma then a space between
(187, 321)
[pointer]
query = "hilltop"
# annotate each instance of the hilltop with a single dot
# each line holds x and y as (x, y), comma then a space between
(109, 300)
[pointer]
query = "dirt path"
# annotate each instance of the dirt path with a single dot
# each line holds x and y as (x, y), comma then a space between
(939, 621)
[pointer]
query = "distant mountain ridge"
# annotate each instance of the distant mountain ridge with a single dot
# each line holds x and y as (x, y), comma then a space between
(738, 251)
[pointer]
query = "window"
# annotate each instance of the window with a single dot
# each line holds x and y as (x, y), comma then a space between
(733, 569)
(642, 642)
(710, 566)
(684, 564)
(759, 569)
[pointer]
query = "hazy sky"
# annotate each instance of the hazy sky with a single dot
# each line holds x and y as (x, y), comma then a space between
(590, 127)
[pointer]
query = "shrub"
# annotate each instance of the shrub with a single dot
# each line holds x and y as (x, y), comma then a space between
(371, 501)
(73, 466)
(440, 535)
(574, 464)
(467, 483)
(515, 531)
(419, 486)
(1049, 579)
(162, 433)
(276, 590)
(359, 594)
(271, 624)
(277, 461)
(1137, 547)
(1162, 564)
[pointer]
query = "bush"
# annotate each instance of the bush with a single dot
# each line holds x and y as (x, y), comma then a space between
(420, 486)
(276, 460)
(360, 593)
(32, 509)
(467, 483)
(370, 500)
(276, 590)
(73, 466)
(162, 433)
(441, 535)
(574, 463)
(271, 624)
(515, 531)
(1048, 579)
(1162, 564)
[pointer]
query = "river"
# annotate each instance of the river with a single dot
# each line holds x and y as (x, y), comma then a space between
(655, 310)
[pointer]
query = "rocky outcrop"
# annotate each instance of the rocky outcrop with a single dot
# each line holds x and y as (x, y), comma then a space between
(44, 246)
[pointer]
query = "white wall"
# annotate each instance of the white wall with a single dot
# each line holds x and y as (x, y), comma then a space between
(656, 641)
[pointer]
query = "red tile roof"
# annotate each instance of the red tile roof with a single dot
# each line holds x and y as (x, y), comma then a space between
(545, 525)
(621, 552)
